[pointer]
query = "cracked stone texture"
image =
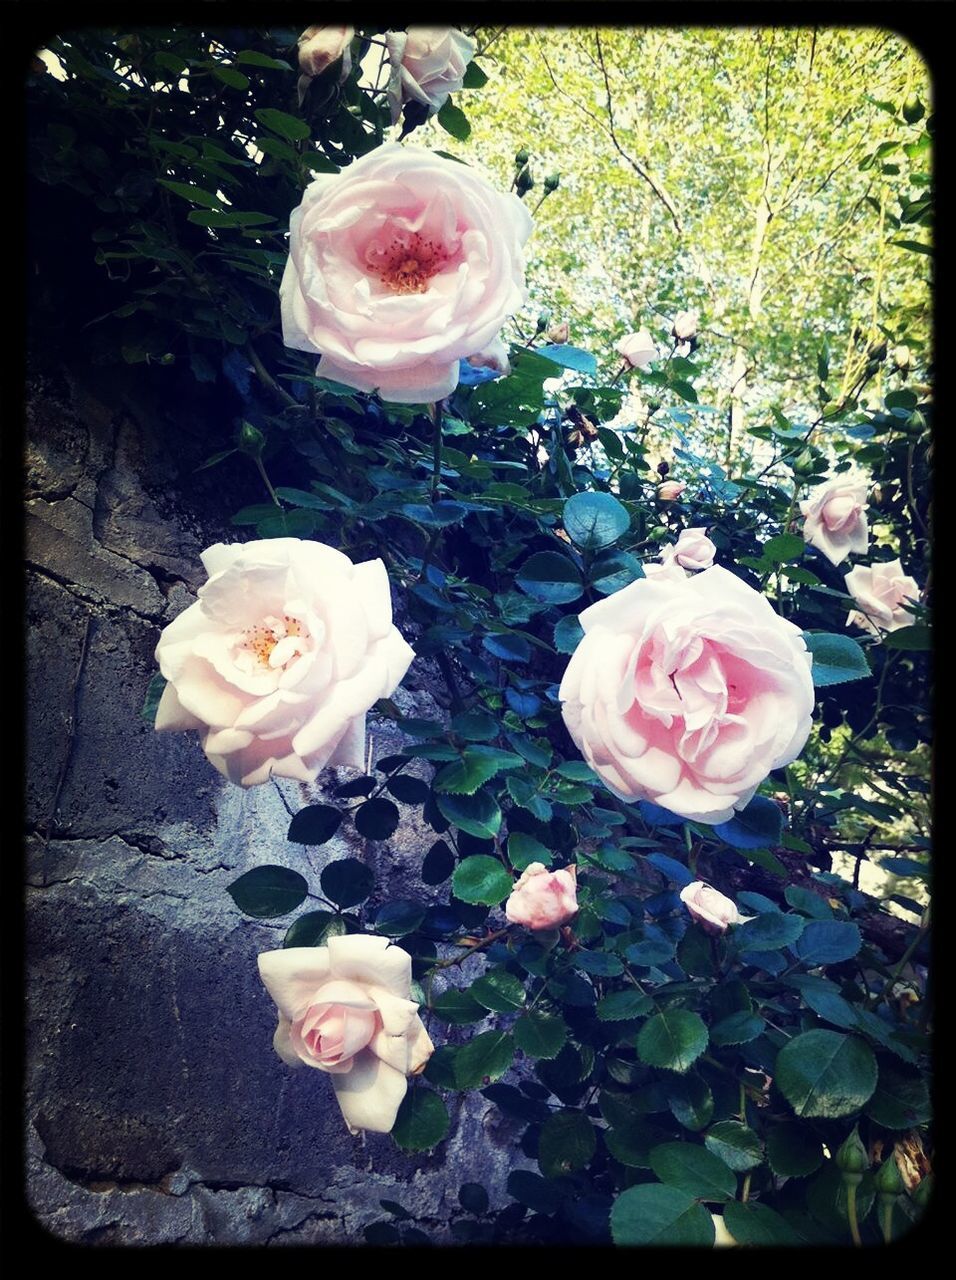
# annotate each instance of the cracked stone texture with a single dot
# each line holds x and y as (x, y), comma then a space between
(157, 1111)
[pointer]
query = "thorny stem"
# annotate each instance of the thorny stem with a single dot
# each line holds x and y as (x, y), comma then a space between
(471, 948)
(266, 378)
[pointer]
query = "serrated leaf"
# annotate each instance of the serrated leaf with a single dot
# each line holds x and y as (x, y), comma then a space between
(673, 1040)
(315, 824)
(483, 1059)
(482, 880)
(620, 1006)
(567, 1142)
(836, 658)
(313, 928)
(656, 1214)
(693, 1169)
(499, 991)
(824, 1073)
(476, 767)
(347, 882)
(540, 1035)
(735, 1144)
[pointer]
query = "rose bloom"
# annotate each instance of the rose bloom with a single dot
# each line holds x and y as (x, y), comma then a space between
(559, 333)
(685, 325)
(427, 66)
(882, 592)
(638, 349)
(687, 692)
(399, 267)
(319, 47)
(543, 899)
(710, 908)
(692, 550)
(277, 662)
(835, 518)
(344, 1008)
(670, 490)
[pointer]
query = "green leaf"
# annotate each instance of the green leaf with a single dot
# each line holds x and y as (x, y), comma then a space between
(347, 882)
(824, 1073)
(770, 931)
(828, 942)
(785, 546)
(398, 918)
(754, 1223)
(476, 767)
(914, 246)
(735, 1144)
(912, 638)
(458, 1007)
(438, 864)
(836, 658)
(473, 1198)
(195, 194)
(407, 789)
(315, 824)
(475, 726)
(524, 849)
(540, 1035)
(595, 520)
(568, 634)
(230, 76)
(757, 826)
(793, 1151)
(474, 77)
(227, 218)
(901, 1100)
(280, 122)
(376, 819)
(252, 58)
(482, 880)
(550, 578)
(499, 991)
(674, 1040)
(807, 902)
(620, 1006)
(265, 892)
(738, 1028)
(693, 1169)
(454, 121)
(422, 1120)
(567, 1142)
(478, 815)
(656, 1214)
(530, 1189)
(485, 1058)
(313, 929)
(154, 692)
(691, 1102)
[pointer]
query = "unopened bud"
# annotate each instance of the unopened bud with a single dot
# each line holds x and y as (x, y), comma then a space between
(559, 333)
(852, 1161)
(521, 158)
(552, 181)
(524, 181)
(544, 319)
(913, 110)
(923, 1192)
(916, 422)
(902, 357)
(804, 461)
(662, 469)
(685, 325)
(888, 1179)
(653, 405)
(670, 490)
(250, 440)
(877, 351)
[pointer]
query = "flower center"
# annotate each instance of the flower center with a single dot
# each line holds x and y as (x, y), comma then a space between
(274, 642)
(406, 262)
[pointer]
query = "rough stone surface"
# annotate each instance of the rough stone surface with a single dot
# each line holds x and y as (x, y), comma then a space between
(157, 1111)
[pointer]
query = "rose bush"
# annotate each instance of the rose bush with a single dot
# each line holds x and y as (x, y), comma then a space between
(543, 899)
(399, 267)
(882, 591)
(836, 519)
(687, 692)
(345, 1009)
(427, 65)
(279, 659)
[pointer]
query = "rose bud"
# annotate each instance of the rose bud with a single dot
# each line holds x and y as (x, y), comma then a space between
(902, 358)
(552, 181)
(882, 591)
(670, 490)
(427, 64)
(543, 899)
(559, 333)
(835, 520)
(521, 158)
(319, 47)
(710, 908)
(638, 349)
(694, 550)
(685, 325)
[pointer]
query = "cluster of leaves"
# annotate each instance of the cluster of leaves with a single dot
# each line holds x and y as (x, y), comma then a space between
(652, 1069)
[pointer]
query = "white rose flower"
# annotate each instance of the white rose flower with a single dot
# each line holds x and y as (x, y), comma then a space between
(427, 66)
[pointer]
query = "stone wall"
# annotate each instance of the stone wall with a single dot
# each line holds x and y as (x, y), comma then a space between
(157, 1111)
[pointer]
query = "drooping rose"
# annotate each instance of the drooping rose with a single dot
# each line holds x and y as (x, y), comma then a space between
(277, 662)
(836, 518)
(427, 66)
(345, 1008)
(882, 591)
(399, 267)
(709, 907)
(319, 47)
(688, 692)
(685, 325)
(543, 899)
(638, 349)
(670, 490)
(693, 549)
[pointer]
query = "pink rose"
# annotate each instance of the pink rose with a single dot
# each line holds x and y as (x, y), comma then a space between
(835, 519)
(276, 664)
(345, 1009)
(638, 349)
(427, 66)
(688, 692)
(319, 47)
(670, 490)
(685, 325)
(710, 908)
(882, 591)
(692, 550)
(543, 899)
(399, 267)
(559, 333)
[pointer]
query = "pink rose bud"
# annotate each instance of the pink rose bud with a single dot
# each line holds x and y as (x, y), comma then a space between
(882, 591)
(638, 349)
(319, 47)
(543, 899)
(835, 518)
(685, 325)
(670, 490)
(709, 908)
(559, 333)
(427, 65)
(694, 550)
(493, 356)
